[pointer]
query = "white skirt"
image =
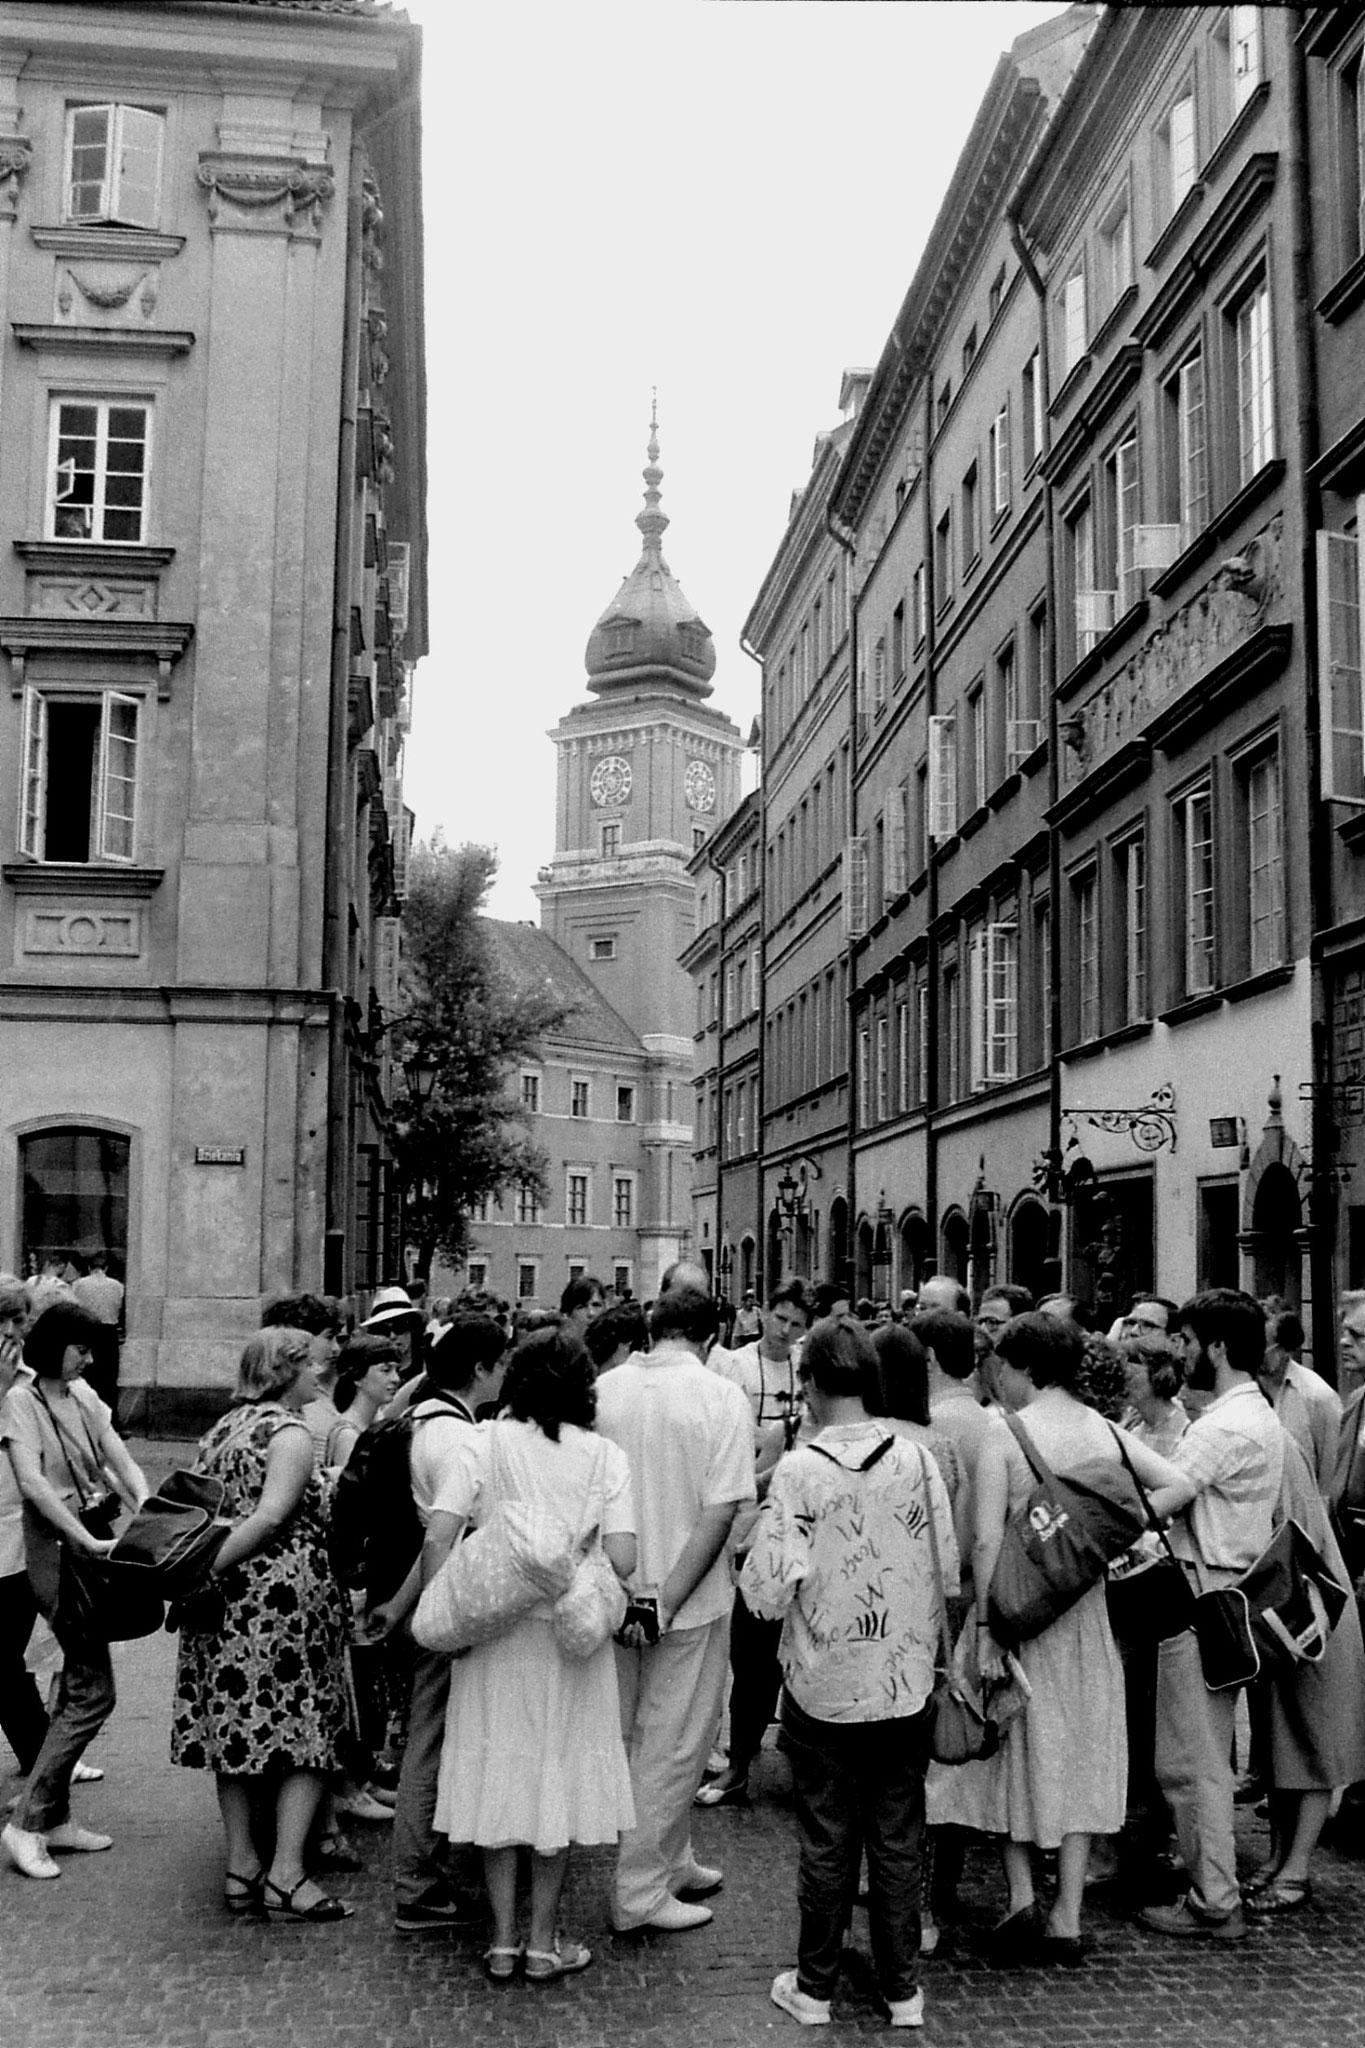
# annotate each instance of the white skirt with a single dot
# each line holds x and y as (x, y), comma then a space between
(533, 1751)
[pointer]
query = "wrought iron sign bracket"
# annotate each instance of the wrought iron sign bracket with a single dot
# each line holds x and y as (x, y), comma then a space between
(1151, 1128)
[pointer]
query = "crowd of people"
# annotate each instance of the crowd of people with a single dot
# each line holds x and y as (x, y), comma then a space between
(800, 1519)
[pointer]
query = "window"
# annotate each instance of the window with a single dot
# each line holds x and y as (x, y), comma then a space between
(481, 1208)
(1340, 579)
(898, 643)
(1092, 610)
(950, 1029)
(1185, 453)
(1175, 157)
(883, 1068)
(1002, 1002)
(864, 1075)
(75, 1193)
(623, 1279)
(879, 676)
(997, 293)
(943, 559)
(113, 165)
(1122, 511)
(78, 799)
(1265, 863)
(968, 350)
(999, 458)
(971, 519)
(625, 1105)
(919, 604)
(975, 760)
(530, 1093)
(1042, 958)
(610, 840)
(98, 472)
(1116, 255)
(527, 1282)
(1237, 60)
(698, 837)
(1194, 843)
(1350, 153)
(1131, 863)
(1084, 894)
(578, 1099)
(476, 1271)
(944, 405)
(576, 1199)
(902, 1056)
(528, 1205)
(603, 948)
(623, 1201)
(1034, 683)
(1031, 392)
(1073, 320)
(922, 1039)
(1255, 383)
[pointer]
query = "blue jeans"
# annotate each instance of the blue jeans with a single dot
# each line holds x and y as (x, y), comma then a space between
(859, 1786)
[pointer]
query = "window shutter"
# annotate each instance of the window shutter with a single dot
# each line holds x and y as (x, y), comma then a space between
(1340, 682)
(1246, 53)
(977, 991)
(1194, 470)
(116, 796)
(1000, 454)
(855, 886)
(1182, 147)
(1073, 320)
(1128, 506)
(1094, 616)
(1002, 998)
(942, 778)
(386, 954)
(135, 172)
(33, 774)
(90, 176)
(400, 563)
(895, 853)
(401, 839)
(862, 705)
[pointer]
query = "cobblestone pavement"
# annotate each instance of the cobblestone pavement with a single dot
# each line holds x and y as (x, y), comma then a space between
(133, 1947)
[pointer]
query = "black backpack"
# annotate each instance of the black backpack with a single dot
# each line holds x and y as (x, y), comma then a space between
(375, 1532)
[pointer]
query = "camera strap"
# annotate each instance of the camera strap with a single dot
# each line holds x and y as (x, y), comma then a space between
(65, 1447)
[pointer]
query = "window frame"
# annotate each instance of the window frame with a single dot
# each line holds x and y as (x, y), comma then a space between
(104, 403)
(35, 771)
(1196, 939)
(583, 1083)
(623, 1181)
(577, 1197)
(110, 212)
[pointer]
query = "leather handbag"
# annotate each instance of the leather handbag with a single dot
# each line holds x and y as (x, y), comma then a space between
(1059, 1543)
(518, 1557)
(1277, 1617)
(175, 1535)
(960, 1730)
(1149, 1596)
(102, 1599)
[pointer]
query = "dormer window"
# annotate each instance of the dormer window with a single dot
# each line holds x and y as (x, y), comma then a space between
(113, 165)
(620, 637)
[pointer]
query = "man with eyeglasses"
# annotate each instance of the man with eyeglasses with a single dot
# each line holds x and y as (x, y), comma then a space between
(999, 1305)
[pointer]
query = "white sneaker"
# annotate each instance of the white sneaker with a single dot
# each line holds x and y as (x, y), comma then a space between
(675, 1916)
(76, 1840)
(907, 2012)
(27, 1851)
(86, 1774)
(787, 1993)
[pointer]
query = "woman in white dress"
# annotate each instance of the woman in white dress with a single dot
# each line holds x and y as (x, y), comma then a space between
(533, 1754)
(1060, 1774)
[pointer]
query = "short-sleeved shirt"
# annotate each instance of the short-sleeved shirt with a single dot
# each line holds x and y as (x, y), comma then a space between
(70, 1454)
(445, 1458)
(688, 1434)
(1234, 1454)
(11, 1502)
(771, 1386)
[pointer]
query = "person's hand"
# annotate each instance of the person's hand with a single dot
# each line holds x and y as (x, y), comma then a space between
(376, 1623)
(990, 1658)
(97, 1546)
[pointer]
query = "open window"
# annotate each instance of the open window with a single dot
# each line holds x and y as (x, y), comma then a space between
(113, 164)
(79, 768)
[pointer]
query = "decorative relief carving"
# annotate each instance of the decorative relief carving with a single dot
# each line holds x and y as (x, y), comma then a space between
(371, 223)
(1229, 608)
(113, 934)
(108, 291)
(254, 184)
(16, 154)
(92, 597)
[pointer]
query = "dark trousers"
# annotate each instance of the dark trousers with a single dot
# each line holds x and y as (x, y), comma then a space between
(85, 1700)
(859, 1787)
(756, 1681)
(22, 1714)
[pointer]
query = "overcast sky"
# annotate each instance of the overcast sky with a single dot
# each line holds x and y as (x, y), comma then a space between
(726, 201)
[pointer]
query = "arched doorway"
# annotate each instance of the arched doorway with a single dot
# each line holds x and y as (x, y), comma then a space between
(1028, 1240)
(913, 1233)
(747, 1249)
(1276, 1214)
(956, 1246)
(862, 1269)
(981, 1242)
(838, 1240)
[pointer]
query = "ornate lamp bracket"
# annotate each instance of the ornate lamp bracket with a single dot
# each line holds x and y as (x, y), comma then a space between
(1151, 1128)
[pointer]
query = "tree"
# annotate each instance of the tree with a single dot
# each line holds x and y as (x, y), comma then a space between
(462, 1017)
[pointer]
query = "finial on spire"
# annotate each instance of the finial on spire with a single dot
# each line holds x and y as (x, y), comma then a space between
(652, 522)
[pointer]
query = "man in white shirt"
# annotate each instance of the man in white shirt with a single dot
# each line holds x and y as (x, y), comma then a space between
(688, 1434)
(464, 1368)
(855, 1549)
(1231, 1460)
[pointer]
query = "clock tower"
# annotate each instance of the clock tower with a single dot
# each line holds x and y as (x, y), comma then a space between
(646, 770)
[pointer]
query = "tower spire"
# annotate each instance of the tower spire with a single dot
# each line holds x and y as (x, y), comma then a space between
(653, 522)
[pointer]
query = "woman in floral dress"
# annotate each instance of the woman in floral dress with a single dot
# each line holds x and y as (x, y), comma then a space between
(260, 1687)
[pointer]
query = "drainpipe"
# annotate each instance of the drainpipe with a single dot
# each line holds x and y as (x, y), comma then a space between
(340, 831)
(761, 1220)
(931, 985)
(847, 539)
(1054, 766)
(1322, 1198)
(721, 908)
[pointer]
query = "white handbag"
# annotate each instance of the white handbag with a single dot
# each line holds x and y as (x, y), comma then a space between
(518, 1557)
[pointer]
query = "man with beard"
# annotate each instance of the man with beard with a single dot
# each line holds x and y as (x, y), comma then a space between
(1231, 1461)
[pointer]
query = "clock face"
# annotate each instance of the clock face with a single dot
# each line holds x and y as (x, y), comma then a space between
(611, 781)
(700, 786)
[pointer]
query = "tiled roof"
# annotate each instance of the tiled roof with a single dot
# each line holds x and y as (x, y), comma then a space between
(531, 959)
(323, 6)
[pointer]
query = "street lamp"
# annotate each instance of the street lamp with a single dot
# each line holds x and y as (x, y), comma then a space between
(419, 1075)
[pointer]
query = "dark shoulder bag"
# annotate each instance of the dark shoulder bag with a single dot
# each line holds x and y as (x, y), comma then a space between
(1151, 1598)
(1058, 1544)
(109, 1602)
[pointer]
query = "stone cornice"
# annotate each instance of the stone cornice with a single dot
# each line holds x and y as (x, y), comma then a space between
(77, 878)
(70, 338)
(161, 640)
(94, 557)
(130, 245)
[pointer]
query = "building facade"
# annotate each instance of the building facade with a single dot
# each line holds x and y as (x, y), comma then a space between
(211, 448)
(644, 770)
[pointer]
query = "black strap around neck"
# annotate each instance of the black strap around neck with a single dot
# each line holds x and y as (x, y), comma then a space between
(868, 1462)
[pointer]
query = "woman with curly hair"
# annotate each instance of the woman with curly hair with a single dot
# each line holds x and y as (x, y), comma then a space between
(533, 1753)
(260, 1694)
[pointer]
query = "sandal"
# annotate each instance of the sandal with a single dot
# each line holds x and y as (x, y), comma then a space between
(543, 1965)
(502, 1964)
(1281, 1895)
(1260, 1880)
(250, 1895)
(281, 1903)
